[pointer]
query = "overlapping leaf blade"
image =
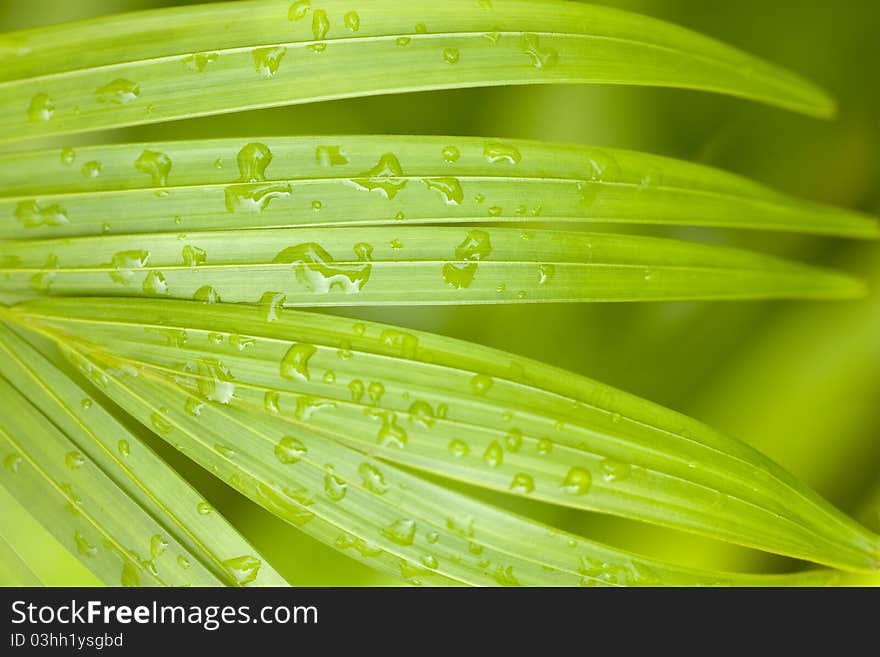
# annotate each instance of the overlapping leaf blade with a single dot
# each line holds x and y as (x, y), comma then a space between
(459, 410)
(103, 492)
(415, 265)
(369, 509)
(380, 180)
(169, 64)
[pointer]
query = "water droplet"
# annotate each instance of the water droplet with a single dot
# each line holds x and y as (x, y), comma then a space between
(272, 304)
(320, 24)
(118, 92)
(83, 546)
(481, 383)
(193, 256)
(226, 451)
(252, 197)
(476, 247)
(298, 10)
(315, 268)
(32, 215)
(542, 58)
(451, 154)
(375, 390)
(183, 562)
(615, 470)
(403, 41)
(155, 284)
(198, 61)
(577, 481)
(124, 448)
(74, 460)
(271, 402)
(359, 329)
(616, 418)
(41, 108)
(267, 60)
(522, 483)
(204, 508)
(295, 364)
(391, 434)
(459, 449)
(214, 380)
(244, 569)
(334, 487)
(159, 423)
(289, 504)
(357, 390)
(494, 455)
(329, 156)
(396, 244)
(449, 188)
(544, 446)
(384, 178)
(125, 263)
(12, 462)
(92, 169)
(546, 273)
(421, 412)
(206, 294)
(496, 152)
(402, 532)
(158, 545)
(373, 479)
(156, 165)
(86, 404)
(317, 205)
(194, 406)
(289, 450)
(451, 55)
(429, 561)
(68, 156)
(505, 577)
(241, 342)
(352, 21)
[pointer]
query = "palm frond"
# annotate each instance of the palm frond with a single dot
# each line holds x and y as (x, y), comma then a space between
(129, 70)
(454, 409)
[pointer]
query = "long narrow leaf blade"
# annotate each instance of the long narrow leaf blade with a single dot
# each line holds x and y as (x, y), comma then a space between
(141, 480)
(372, 511)
(465, 412)
(405, 265)
(169, 64)
(380, 180)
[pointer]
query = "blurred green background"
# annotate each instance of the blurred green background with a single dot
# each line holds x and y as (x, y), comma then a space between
(799, 381)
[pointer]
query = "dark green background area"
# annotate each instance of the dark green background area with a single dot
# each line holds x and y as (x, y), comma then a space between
(798, 380)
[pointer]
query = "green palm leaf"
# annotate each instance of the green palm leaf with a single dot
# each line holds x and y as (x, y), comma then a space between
(101, 490)
(454, 409)
(412, 265)
(170, 64)
(380, 180)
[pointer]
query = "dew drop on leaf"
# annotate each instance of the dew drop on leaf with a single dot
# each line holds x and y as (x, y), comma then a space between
(402, 532)
(295, 364)
(41, 108)
(522, 483)
(459, 449)
(118, 92)
(289, 450)
(244, 569)
(496, 152)
(577, 481)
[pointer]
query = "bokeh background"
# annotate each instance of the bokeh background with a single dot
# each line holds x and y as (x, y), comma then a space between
(798, 380)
